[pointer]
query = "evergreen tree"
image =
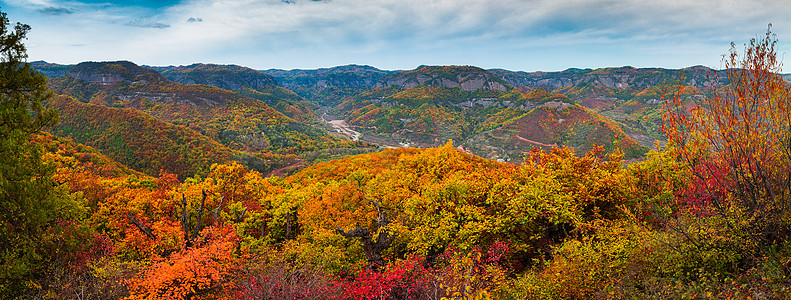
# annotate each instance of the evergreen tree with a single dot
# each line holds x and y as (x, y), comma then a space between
(30, 201)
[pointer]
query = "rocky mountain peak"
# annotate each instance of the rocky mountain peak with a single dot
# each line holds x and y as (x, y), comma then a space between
(467, 78)
(229, 77)
(110, 72)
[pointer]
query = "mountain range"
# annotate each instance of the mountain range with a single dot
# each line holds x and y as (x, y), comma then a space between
(270, 119)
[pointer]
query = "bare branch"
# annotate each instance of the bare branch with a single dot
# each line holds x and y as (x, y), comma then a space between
(239, 217)
(200, 215)
(373, 249)
(132, 218)
(217, 211)
(184, 220)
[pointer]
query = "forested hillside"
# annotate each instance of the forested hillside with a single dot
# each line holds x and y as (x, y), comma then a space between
(138, 140)
(117, 183)
(630, 97)
(328, 86)
(138, 117)
(483, 114)
(246, 82)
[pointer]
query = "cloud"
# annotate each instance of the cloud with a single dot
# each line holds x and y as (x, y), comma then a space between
(56, 11)
(431, 27)
(145, 23)
(434, 20)
(544, 32)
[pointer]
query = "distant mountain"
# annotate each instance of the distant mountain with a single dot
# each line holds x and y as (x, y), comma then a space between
(430, 105)
(247, 82)
(243, 127)
(621, 77)
(466, 78)
(229, 77)
(340, 76)
(239, 122)
(50, 69)
(138, 140)
(329, 86)
(629, 96)
(607, 88)
(424, 107)
(111, 72)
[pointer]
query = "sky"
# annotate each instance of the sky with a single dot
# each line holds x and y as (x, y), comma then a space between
(519, 35)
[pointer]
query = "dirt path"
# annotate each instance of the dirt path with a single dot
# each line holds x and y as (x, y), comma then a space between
(534, 142)
(284, 170)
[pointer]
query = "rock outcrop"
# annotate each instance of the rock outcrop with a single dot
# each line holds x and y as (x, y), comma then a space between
(466, 78)
(229, 77)
(348, 76)
(621, 78)
(110, 72)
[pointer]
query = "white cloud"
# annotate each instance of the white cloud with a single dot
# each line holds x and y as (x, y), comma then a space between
(420, 29)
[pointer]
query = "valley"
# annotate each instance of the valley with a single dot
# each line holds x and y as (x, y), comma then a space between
(467, 175)
(341, 127)
(496, 114)
(120, 180)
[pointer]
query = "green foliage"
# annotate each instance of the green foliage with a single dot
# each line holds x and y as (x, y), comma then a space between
(589, 267)
(688, 222)
(138, 140)
(30, 201)
(239, 122)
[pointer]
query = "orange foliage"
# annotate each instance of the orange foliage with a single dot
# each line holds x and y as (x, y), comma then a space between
(738, 140)
(201, 272)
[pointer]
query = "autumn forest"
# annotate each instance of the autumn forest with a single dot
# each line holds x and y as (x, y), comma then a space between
(121, 181)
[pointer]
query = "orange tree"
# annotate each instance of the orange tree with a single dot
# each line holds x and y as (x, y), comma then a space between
(738, 144)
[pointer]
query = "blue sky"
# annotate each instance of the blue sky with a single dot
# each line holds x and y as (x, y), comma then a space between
(526, 35)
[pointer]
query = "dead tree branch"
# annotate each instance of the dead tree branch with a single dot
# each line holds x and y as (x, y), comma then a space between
(373, 249)
(217, 211)
(147, 231)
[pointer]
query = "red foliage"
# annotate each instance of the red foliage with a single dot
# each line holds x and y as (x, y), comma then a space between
(706, 189)
(400, 280)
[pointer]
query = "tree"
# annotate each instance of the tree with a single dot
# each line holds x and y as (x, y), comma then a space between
(738, 143)
(29, 198)
(373, 249)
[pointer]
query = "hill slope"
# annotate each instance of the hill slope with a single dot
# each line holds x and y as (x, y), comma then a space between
(545, 127)
(629, 96)
(328, 86)
(244, 81)
(431, 105)
(239, 122)
(138, 140)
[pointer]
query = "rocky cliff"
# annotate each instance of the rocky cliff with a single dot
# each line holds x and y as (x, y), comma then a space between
(229, 77)
(466, 78)
(621, 78)
(348, 76)
(110, 72)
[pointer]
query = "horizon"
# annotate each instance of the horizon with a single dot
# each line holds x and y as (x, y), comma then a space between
(539, 35)
(375, 67)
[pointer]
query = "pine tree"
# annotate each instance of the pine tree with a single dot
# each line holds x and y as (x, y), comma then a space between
(30, 201)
